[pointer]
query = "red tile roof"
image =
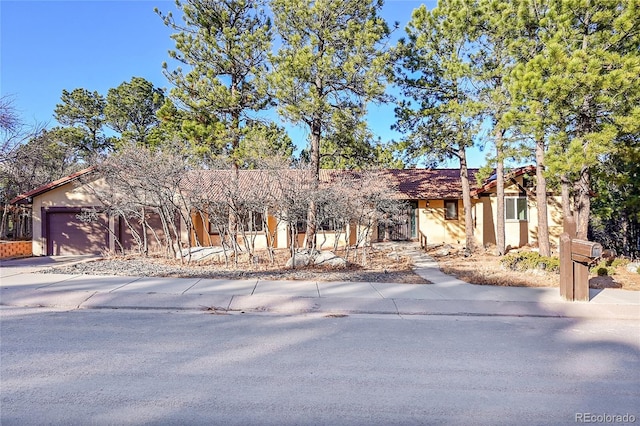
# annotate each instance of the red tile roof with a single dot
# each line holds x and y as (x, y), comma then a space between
(409, 183)
(492, 183)
(428, 184)
(25, 198)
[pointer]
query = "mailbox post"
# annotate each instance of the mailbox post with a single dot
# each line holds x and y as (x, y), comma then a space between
(575, 258)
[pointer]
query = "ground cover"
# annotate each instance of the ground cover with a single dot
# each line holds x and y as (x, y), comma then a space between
(485, 268)
(382, 265)
(385, 263)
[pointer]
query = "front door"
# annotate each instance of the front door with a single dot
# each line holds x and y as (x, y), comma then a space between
(402, 226)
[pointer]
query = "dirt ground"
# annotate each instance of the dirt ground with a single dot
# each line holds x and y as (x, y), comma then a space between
(485, 269)
(382, 265)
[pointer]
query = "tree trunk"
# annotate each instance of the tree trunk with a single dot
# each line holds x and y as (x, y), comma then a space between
(466, 200)
(583, 205)
(235, 173)
(544, 246)
(565, 197)
(315, 169)
(500, 215)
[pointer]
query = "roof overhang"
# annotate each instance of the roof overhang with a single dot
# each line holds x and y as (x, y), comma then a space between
(27, 197)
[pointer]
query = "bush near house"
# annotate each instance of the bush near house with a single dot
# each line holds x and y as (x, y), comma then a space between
(607, 267)
(530, 260)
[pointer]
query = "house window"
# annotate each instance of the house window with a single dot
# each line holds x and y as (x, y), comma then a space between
(253, 222)
(451, 209)
(213, 229)
(330, 225)
(515, 208)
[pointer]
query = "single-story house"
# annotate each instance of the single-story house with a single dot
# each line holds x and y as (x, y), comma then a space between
(433, 209)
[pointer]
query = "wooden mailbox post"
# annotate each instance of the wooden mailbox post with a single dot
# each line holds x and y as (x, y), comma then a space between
(575, 258)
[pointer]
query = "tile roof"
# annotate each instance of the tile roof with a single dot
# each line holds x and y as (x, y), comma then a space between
(25, 198)
(492, 182)
(428, 184)
(409, 183)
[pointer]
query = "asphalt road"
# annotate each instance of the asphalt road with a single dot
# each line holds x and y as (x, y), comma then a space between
(158, 367)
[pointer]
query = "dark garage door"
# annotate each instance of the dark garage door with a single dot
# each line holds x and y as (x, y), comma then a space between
(68, 235)
(128, 241)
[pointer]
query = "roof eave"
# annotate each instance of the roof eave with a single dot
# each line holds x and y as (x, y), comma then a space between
(27, 197)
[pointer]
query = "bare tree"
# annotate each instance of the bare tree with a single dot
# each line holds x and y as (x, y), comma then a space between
(144, 186)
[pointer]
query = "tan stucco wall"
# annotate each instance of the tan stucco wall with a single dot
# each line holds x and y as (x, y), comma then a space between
(432, 223)
(72, 194)
(520, 233)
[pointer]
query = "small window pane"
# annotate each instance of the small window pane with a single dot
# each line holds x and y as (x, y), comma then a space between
(522, 208)
(510, 208)
(516, 208)
(253, 222)
(451, 209)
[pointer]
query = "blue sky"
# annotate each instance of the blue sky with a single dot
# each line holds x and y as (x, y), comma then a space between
(48, 46)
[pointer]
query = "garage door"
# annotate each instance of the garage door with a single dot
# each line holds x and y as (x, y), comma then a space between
(68, 235)
(129, 242)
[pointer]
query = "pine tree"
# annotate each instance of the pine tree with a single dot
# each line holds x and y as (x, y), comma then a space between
(587, 66)
(224, 46)
(330, 64)
(84, 110)
(436, 73)
(131, 109)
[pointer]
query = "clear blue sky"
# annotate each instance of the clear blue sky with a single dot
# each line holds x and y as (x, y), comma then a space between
(48, 46)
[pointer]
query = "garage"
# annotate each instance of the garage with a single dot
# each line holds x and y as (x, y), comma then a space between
(58, 229)
(67, 234)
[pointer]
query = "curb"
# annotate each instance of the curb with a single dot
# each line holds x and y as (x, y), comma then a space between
(305, 305)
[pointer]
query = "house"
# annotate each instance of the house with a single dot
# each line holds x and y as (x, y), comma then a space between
(432, 208)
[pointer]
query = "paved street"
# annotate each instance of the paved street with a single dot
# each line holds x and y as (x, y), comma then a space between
(190, 367)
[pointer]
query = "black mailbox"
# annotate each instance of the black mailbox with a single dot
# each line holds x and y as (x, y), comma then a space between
(585, 251)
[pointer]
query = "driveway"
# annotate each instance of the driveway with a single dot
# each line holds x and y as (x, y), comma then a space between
(23, 265)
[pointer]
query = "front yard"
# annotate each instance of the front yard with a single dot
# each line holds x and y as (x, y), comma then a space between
(384, 264)
(487, 269)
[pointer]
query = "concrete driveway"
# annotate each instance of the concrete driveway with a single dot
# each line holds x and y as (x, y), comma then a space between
(23, 265)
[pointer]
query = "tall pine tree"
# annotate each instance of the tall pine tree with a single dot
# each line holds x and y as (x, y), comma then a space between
(224, 45)
(330, 64)
(440, 113)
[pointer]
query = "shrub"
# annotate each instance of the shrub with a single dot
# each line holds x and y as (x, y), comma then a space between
(603, 269)
(618, 262)
(530, 260)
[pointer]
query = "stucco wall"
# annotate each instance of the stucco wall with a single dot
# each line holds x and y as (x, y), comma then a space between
(520, 233)
(432, 223)
(72, 194)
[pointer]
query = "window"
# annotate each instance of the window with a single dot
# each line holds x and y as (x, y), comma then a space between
(252, 222)
(213, 229)
(451, 209)
(515, 208)
(331, 225)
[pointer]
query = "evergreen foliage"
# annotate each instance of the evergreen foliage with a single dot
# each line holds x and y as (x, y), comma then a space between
(223, 45)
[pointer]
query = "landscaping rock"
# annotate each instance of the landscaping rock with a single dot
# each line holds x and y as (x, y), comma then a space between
(633, 267)
(444, 251)
(214, 253)
(465, 252)
(330, 259)
(300, 259)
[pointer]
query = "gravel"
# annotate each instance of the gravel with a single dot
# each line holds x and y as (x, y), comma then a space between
(156, 267)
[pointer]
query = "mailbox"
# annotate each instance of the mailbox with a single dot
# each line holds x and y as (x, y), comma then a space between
(583, 251)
